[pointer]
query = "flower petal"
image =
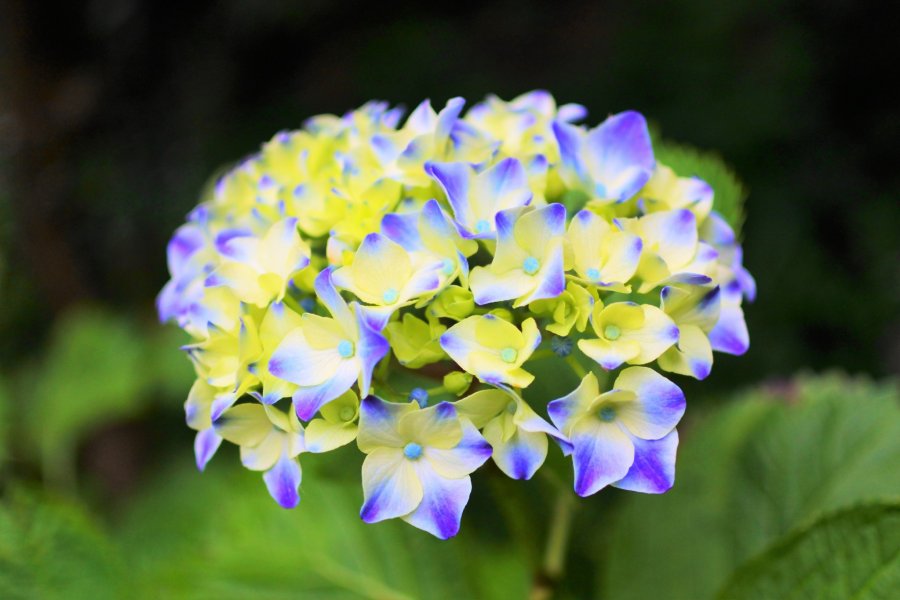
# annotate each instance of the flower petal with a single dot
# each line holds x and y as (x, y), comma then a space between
(658, 406)
(619, 155)
(603, 454)
(653, 471)
(206, 442)
(566, 410)
(467, 455)
(283, 481)
(391, 486)
(730, 333)
(521, 455)
(379, 423)
(308, 400)
(442, 504)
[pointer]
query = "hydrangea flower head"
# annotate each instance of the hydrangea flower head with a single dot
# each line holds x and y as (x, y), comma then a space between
(327, 278)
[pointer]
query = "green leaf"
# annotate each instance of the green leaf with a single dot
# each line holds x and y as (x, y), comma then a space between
(686, 161)
(100, 367)
(748, 475)
(854, 553)
(219, 534)
(53, 550)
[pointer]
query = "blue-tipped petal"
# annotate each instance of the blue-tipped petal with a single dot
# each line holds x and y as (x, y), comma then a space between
(730, 333)
(653, 471)
(603, 454)
(372, 347)
(442, 504)
(206, 443)
(454, 180)
(308, 400)
(378, 423)
(391, 486)
(470, 453)
(402, 229)
(329, 296)
(522, 455)
(283, 481)
(619, 154)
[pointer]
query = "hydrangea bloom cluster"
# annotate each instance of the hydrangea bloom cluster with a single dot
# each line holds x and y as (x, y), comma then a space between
(344, 261)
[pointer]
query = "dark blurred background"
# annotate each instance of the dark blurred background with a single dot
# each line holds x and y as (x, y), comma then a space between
(115, 113)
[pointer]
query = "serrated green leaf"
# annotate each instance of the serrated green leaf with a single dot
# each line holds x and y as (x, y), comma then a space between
(854, 553)
(219, 534)
(687, 161)
(748, 475)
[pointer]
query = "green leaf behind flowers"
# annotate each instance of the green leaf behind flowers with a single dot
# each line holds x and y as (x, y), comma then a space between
(750, 474)
(854, 553)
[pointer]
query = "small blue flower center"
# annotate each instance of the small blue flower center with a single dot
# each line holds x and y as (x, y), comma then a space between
(511, 408)
(420, 396)
(607, 413)
(612, 333)
(412, 451)
(345, 348)
(509, 355)
(346, 413)
(482, 226)
(531, 265)
(390, 296)
(593, 274)
(447, 267)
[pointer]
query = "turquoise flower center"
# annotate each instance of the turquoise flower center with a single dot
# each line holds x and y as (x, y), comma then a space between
(607, 413)
(612, 332)
(511, 408)
(390, 296)
(531, 265)
(593, 274)
(482, 226)
(346, 413)
(412, 451)
(345, 348)
(509, 355)
(447, 267)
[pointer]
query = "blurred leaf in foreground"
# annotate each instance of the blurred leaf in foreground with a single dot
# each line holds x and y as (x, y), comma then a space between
(854, 553)
(100, 367)
(751, 473)
(218, 535)
(53, 550)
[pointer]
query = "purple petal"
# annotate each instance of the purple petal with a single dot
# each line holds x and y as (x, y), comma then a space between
(308, 400)
(329, 296)
(603, 454)
(206, 443)
(402, 229)
(442, 505)
(730, 333)
(283, 481)
(454, 180)
(391, 486)
(372, 347)
(522, 455)
(653, 471)
(620, 145)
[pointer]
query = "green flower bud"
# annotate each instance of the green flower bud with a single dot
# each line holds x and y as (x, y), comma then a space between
(455, 303)
(457, 382)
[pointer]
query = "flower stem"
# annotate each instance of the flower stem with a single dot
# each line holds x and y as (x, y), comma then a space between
(554, 562)
(579, 370)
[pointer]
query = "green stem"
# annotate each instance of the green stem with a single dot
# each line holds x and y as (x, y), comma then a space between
(555, 552)
(579, 370)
